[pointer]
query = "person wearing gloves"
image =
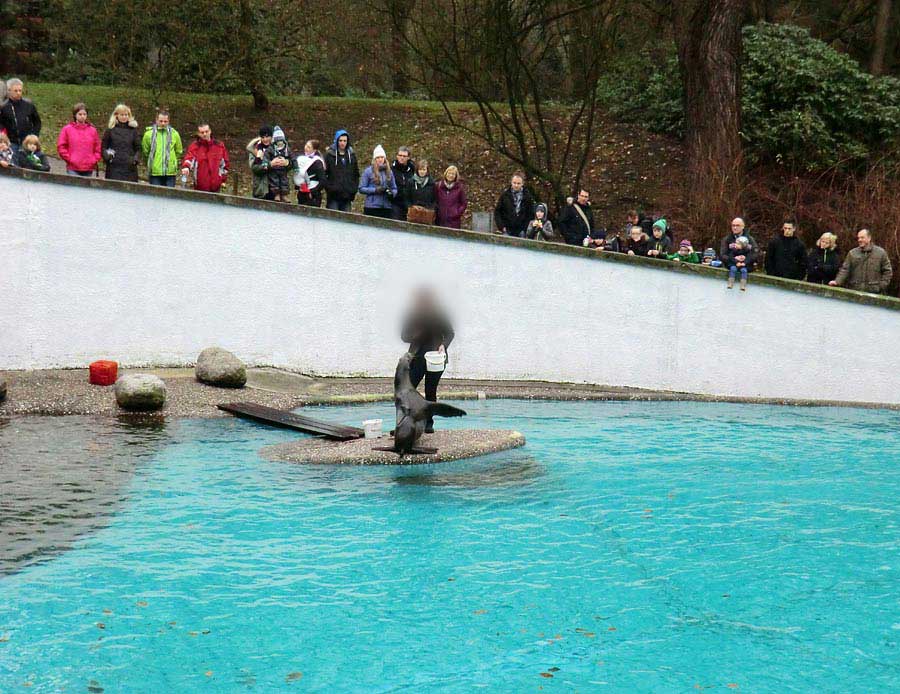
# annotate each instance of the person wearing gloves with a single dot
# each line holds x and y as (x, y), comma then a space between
(78, 144)
(206, 161)
(378, 185)
(540, 228)
(121, 146)
(162, 149)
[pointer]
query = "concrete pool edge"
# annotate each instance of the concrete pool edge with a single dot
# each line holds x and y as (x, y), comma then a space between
(63, 392)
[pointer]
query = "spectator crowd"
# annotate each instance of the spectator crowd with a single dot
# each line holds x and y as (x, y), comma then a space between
(405, 189)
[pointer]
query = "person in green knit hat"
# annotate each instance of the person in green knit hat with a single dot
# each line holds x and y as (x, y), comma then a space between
(162, 149)
(685, 253)
(660, 245)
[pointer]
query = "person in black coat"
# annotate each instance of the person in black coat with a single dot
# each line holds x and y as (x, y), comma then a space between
(403, 168)
(341, 173)
(427, 329)
(515, 208)
(823, 261)
(637, 242)
(576, 223)
(421, 193)
(121, 146)
(786, 256)
(18, 115)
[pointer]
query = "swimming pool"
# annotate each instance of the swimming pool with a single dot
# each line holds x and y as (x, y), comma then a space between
(633, 547)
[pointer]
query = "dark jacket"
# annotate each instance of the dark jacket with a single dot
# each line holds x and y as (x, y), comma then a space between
(125, 141)
(572, 226)
(402, 175)
(451, 204)
(822, 265)
(421, 195)
(663, 245)
(341, 170)
(505, 214)
(36, 161)
(425, 331)
(786, 257)
(730, 239)
(20, 119)
(749, 257)
(639, 247)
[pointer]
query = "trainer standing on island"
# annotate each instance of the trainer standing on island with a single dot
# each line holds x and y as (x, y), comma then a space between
(427, 329)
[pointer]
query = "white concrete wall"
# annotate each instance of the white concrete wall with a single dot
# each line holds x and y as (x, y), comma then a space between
(90, 273)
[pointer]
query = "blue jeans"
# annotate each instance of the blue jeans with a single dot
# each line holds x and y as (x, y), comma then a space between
(339, 205)
(83, 174)
(167, 181)
(732, 271)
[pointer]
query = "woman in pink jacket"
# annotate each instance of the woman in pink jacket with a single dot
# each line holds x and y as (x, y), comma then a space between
(79, 144)
(451, 199)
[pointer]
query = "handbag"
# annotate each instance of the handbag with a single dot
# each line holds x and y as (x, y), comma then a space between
(420, 215)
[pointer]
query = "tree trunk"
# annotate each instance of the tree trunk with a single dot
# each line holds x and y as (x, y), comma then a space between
(249, 70)
(880, 38)
(709, 55)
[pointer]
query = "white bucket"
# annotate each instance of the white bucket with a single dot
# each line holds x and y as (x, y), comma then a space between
(372, 428)
(434, 361)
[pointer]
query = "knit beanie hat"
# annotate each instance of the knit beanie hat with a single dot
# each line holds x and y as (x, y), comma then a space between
(379, 152)
(265, 131)
(684, 244)
(542, 207)
(277, 133)
(709, 253)
(662, 224)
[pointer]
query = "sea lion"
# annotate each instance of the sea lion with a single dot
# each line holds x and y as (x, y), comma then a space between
(413, 411)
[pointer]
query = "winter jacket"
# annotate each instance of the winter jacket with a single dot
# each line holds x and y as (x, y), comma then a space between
(425, 331)
(451, 204)
(663, 246)
(342, 171)
(749, 254)
(79, 146)
(7, 156)
(822, 265)
(379, 189)
(507, 218)
(162, 150)
(121, 150)
(639, 247)
(258, 168)
(541, 231)
(729, 240)
(786, 257)
(36, 161)
(572, 226)
(403, 174)
(208, 162)
(422, 195)
(278, 176)
(692, 257)
(309, 179)
(614, 244)
(866, 270)
(20, 119)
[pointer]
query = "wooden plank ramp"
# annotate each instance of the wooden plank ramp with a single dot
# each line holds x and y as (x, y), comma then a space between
(289, 420)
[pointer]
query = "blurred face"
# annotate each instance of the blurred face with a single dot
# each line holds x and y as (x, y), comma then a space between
(422, 171)
(402, 156)
(122, 116)
(684, 250)
(788, 230)
(308, 149)
(15, 93)
(583, 197)
(266, 141)
(863, 238)
(657, 232)
(635, 233)
(451, 176)
(632, 219)
(737, 226)
(31, 146)
(539, 214)
(380, 161)
(162, 121)
(204, 132)
(81, 116)
(342, 142)
(4, 146)
(516, 183)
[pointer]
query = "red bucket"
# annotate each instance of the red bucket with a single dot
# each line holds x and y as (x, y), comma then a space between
(104, 373)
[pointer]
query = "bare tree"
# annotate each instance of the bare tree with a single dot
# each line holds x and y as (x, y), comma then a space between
(880, 39)
(510, 58)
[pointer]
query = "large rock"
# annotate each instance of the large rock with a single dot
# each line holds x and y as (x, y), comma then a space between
(2, 390)
(219, 367)
(140, 392)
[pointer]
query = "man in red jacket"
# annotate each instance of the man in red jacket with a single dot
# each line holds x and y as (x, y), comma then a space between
(206, 161)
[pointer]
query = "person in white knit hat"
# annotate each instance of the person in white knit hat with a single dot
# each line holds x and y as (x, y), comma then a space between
(378, 185)
(278, 163)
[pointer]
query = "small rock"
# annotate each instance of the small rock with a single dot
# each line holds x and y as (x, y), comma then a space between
(2, 390)
(219, 367)
(140, 392)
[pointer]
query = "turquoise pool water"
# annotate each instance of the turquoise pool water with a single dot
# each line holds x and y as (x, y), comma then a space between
(629, 547)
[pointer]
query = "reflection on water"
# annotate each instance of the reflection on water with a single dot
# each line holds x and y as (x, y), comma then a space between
(62, 477)
(505, 472)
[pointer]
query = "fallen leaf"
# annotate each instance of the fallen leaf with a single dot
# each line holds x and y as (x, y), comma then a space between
(546, 674)
(193, 633)
(480, 612)
(101, 625)
(208, 673)
(291, 676)
(611, 629)
(107, 611)
(141, 603)
(172, 623)
(27, 684)
(732, 685)
(4, 638)
(553, 669)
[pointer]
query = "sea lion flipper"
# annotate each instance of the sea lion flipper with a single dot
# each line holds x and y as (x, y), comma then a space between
(444, 410)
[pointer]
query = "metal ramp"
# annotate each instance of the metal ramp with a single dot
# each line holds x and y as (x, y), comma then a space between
(289, 420)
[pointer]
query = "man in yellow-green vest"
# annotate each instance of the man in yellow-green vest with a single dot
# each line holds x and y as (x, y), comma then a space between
(162, 149)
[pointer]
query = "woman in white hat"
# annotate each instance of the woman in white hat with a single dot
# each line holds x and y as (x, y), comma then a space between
(378, 185)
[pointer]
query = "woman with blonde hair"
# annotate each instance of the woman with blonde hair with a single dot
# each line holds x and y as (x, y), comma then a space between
(823, 261)
(451, 199)
(378, 185)
(121, 146)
